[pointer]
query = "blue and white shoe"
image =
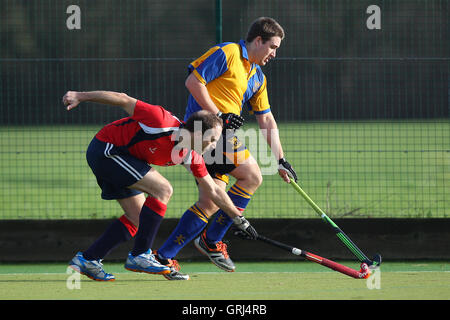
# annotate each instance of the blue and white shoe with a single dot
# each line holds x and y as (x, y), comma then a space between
(145, 262)
(92, 269)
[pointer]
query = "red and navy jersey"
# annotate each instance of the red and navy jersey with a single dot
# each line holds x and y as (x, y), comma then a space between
(147, 135)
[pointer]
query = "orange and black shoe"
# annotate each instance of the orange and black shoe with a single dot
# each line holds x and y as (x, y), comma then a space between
(217, 253)
(174, 266)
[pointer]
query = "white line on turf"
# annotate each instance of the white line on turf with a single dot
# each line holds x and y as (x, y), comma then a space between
(213, 272)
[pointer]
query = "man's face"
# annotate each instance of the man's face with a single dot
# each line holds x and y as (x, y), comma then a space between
(209, 139)
(266, 50)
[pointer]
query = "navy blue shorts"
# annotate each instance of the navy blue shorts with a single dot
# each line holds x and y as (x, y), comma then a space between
(115, 169)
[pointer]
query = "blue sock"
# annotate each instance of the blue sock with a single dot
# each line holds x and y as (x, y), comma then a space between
(222, 222)
(190, 225)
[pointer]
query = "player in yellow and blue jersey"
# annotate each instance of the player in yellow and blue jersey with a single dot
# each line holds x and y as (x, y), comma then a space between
(225, 80)
(230, 79)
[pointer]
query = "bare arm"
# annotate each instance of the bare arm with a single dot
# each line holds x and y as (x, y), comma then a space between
(218, 196)
(200, 93)
(269, 129)
(73, 98)
(221, 199)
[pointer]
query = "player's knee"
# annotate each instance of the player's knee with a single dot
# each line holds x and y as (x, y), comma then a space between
(165, 192)
(258, 179)
(208, 206)
(254, 179)
(248, 176)
(168, 191)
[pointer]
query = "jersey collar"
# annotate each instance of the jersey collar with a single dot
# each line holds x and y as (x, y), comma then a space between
(244, 49)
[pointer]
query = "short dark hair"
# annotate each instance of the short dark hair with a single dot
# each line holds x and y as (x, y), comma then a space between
(208, 119)
(266, 28)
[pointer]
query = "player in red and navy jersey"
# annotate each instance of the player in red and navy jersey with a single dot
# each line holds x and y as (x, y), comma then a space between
(120, 156)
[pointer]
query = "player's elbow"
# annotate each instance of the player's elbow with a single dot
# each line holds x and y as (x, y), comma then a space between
(188, 82)
(266, 120)
(126, 102)
(192, 82)
(124, 99)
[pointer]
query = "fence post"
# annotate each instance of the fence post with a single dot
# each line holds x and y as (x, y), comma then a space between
(219, 21)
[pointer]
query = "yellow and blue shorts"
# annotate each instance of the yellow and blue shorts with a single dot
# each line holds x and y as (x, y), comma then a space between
(229, 153)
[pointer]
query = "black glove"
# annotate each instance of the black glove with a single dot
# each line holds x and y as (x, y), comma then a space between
(241, 234)
(231, 120)
(286, 166)
(243, 225)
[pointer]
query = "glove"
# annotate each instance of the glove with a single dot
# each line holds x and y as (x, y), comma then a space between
(286, 166)
(241, 234)
(242, 224)
(231, 120)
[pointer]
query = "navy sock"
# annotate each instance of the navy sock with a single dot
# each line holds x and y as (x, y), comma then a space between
(150, 219)
(118, 231)
(190, 225)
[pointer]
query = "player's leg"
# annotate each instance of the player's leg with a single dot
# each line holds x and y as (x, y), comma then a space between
(159, 190)
(248, 179)
(191, 223)
(132, 208)
(120, 230)
(126, 226)
(210, 242)
(215, 251)
(238, 162)
(153, 210)
(114, 171)
(229, 154)
(195, 219)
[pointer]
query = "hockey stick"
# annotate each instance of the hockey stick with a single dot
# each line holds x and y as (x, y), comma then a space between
(376, 261)
(364, 273)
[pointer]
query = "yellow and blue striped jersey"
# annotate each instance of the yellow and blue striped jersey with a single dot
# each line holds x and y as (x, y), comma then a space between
(231, 80)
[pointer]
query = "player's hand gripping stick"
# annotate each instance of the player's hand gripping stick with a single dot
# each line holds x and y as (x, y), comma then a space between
(244, 226)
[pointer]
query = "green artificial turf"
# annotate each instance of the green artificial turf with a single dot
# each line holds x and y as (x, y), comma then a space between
(421, 280)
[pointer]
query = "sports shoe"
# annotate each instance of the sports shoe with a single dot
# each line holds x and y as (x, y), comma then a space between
(218, 255)
(174, 269)
(93, 269)
(145, 262)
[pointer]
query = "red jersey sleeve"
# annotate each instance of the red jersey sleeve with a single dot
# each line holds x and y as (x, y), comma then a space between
(154, 116)
(196, 165)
